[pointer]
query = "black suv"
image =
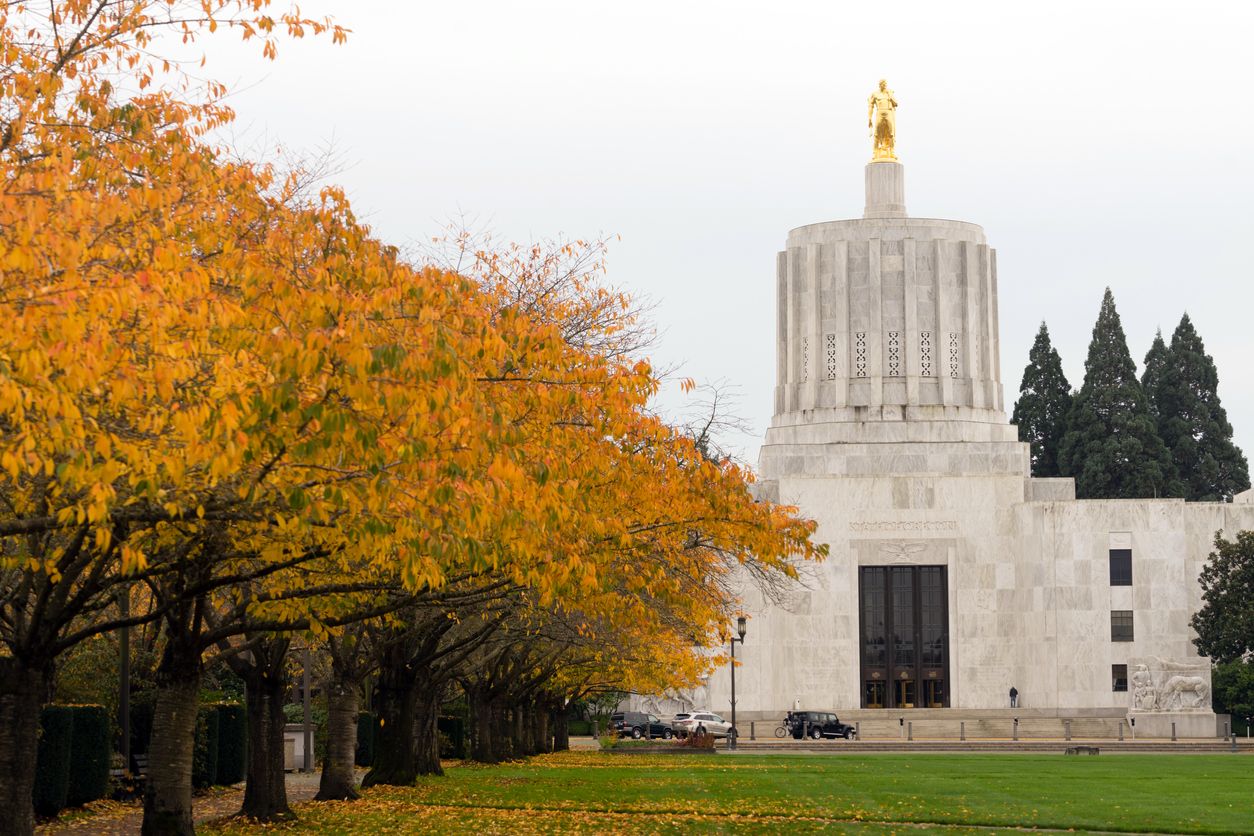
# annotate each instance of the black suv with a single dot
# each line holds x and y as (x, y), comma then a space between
(637, 724)
(817, 725)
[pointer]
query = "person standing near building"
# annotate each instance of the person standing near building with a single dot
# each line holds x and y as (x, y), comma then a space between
(1014, 697)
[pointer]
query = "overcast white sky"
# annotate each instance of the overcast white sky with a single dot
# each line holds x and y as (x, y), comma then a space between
(1097, 143)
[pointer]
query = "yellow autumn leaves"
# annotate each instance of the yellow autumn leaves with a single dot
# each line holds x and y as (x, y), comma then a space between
(199, 345)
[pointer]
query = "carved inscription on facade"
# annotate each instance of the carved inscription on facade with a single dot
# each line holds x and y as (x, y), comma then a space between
(904, 525)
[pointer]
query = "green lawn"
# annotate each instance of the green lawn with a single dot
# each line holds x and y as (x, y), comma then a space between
(594, 792)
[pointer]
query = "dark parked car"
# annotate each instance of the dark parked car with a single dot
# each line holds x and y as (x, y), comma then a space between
(637, 724)
(818, 725)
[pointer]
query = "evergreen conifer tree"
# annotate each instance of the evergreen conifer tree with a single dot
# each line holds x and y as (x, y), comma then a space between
(1191, 420)
(1112, 447)
(1044, 401)
(1156, 362)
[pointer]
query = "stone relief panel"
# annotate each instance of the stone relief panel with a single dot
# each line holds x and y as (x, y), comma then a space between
(859, 353)
(894, 354)
(925, 353)
(805, 359)
(1158, 684)
(901, 551)
(954, 368)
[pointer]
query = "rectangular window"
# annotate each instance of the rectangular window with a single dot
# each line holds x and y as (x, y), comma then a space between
(1121, 625)
(1121, 567)
(1119, 677)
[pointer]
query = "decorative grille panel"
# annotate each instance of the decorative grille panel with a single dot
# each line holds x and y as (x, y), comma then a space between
(805, 359)
(829, 349)
(953, 354)
(894, 354)
(859, 353)
(925, 353)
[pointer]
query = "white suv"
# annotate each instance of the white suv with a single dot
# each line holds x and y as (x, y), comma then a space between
(712, 723)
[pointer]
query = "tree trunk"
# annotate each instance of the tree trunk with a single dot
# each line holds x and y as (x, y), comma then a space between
(482, 747)
(23, 691)
(168, 790)
(504, 740)
(426, 729)
(542, 735)
(339, 782)
(561, 728)
(265, 793)
(394, 697)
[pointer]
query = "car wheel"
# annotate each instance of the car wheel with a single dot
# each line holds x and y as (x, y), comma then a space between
(848, 734)
(636, 734)
(667, 734)
(816, 734)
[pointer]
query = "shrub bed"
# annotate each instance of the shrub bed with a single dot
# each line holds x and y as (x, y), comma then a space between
(232, 744)
(91, 748)
(52, 759)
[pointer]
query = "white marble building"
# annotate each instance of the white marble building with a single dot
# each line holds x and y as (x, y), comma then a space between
(953, 575)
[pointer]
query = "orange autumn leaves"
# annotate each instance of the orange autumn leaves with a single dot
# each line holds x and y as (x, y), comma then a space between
(193, 342)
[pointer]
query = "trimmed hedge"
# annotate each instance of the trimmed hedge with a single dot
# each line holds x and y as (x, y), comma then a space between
(91, 749)
(365, 739)
(232, 744)
(205, 755)
(52, 759)
(453, 728)
(579, 728)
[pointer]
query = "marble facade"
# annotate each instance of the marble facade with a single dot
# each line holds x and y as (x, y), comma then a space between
(890, 431)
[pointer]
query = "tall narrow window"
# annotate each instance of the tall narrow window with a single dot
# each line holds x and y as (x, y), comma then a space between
(1121, 567)
(1118, 677)
(1121, 625)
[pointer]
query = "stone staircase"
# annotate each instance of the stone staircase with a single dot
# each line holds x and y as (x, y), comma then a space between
(971, 725)
(1041, 746)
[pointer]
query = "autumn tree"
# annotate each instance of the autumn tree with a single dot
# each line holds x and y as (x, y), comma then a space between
(218, 387)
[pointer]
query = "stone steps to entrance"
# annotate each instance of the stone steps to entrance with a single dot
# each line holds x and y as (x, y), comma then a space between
(836, 747)
(949, 724)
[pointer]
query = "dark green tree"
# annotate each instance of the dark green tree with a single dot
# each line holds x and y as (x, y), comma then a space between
(1225, 623)
(1156, 362)
(1112, 447)
(1233, 687)
(1182, 385)
(1044, 401)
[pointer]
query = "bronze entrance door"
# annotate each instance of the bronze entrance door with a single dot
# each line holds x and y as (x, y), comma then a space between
(903, 618)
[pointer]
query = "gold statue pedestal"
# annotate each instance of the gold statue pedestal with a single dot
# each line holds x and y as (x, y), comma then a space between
(885, 190)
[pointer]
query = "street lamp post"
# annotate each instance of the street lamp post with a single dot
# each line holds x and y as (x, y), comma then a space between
(741, 624)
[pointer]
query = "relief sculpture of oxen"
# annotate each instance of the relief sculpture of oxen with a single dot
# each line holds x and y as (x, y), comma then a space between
(1184, 692)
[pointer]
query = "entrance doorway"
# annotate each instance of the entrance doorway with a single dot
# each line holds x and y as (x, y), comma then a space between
(904, 635)
(904, 693)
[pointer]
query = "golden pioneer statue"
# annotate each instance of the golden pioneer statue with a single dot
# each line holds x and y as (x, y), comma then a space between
(881, 118)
